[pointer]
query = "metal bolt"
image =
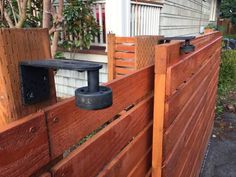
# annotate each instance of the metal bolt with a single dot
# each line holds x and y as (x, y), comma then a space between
(32, 129)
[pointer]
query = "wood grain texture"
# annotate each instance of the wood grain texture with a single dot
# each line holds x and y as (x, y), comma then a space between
(125, 40)
(159, 109)
(47, 174)
(17, 45)
(124, 55)
(24, 146)
(125, 48)
(73, 123)
(130, 155)
(174, 149)
(125, 63)
(110, 55)
(143, 166)
(89, 159)
(130, 53)
(180, 72)
(191, 85)
(124, 71)
(176, 101)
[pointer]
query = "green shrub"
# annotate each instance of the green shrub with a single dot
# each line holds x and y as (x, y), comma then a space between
(227, 76)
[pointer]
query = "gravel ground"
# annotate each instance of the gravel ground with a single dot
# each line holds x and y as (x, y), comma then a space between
(221, 156)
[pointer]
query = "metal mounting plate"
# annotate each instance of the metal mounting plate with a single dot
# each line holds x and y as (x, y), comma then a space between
(34, 76)
(35, 86)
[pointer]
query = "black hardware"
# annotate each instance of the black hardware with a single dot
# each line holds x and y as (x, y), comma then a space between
(35, 83)
(187, 47)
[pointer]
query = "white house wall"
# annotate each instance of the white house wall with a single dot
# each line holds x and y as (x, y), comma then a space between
(67, 81)
(178, 17)
(184, 17)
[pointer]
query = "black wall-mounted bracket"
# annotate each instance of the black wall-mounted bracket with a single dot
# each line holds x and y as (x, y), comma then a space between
(187, 47)
(35, 85)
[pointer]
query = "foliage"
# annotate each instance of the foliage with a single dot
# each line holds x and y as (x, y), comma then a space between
(227, 79)
(79, 23)
(230, 36)
(33, 14)
(227, 76)
(211, 26)
(228, 10)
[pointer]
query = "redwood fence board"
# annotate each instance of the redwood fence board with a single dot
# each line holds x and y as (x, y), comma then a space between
(24, 146)
(126, 54)
(186, 116)
(132, 153)
(89, 159)
(159, 124)
(143, 166)
(126, 91)
(179, 149)
(176, 102)
(17, 45)
(180, 72)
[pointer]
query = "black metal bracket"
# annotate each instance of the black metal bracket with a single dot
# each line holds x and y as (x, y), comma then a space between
(186, 47)
(35, 86)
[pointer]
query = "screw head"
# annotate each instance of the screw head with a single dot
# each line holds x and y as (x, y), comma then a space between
(32, 129)
(55, 119)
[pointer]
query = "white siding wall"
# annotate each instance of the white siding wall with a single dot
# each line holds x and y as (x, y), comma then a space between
(178, 17)
(67, 81)
(184, 17)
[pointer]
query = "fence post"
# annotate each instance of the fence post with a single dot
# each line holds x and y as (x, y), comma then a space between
(161, 57)
(17, 45)
(111, 59)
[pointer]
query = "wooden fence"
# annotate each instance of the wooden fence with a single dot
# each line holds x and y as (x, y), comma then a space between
(17, 45)
(126, 139)
(184, 104)
(128, 54)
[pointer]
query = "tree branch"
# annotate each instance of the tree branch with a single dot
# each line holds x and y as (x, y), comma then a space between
(23, 14)
(6, 16)
(56, 33)
(13, 12)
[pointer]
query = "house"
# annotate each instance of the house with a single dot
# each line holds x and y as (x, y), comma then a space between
(137, 17)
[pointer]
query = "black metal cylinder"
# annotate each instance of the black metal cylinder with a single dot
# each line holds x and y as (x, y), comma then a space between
(93, 81)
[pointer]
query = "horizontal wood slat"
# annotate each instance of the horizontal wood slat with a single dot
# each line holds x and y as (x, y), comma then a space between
(183, 70)
(143, 166)
(129, 157)
(125, 40)
(203, 40)
(126, 48)
(125, 63)
(124, 71)
(123, 55)
(179, 140)
(67, 123)
(176, 102)
(24, 146)
(47, 174)
(92, 156)
(203, 129)
(183, 116)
